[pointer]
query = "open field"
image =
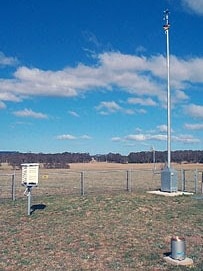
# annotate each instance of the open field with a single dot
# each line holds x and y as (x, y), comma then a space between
(106, 165)
(103, 232)
(99, 231)
(144, 166)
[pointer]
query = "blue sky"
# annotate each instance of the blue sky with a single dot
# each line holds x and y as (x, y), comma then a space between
(91, 75)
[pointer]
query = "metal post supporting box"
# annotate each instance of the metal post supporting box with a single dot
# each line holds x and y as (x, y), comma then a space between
(169, 180)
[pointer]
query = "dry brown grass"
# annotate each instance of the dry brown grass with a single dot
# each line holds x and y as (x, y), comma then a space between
(144, 166)
(103, 232)
(100, 231)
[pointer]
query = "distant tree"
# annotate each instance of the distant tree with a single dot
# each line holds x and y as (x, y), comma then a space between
(15, 159)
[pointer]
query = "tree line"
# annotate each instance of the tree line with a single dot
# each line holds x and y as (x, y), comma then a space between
(188, 156)
(62, 160)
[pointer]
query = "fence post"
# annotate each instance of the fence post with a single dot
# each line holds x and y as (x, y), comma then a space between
(202, 184)
(183, 180)
(82, 184)
(196, 181)
(13, 187)
(128, 181)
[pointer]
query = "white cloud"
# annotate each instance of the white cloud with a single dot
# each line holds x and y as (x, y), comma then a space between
(186, 70)
(162, 128)
(180, 95)
(141, 49)
(106, 108)
(142, 101)
(8, 96)
(115, 61)
(91, 38)
(192, 126)
(141, 111)
(158, 137)
(195, 111)
(116, 139)
(7, 61)
(109, 106)
(72, 81)
(66, 137)
(186, 139)
(73, 113)
(2, 105)
(140, 76)
(145, 137)
(137, 137)
(159, 134)
(29, 113)
(71, 137)
(194, 5)
(129, 111)
(85, 137)
(182, 72)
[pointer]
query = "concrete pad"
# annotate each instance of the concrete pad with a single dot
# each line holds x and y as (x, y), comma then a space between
(169, 194)
(186, 262)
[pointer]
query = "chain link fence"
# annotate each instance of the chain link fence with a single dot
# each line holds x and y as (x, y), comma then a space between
(58, 182)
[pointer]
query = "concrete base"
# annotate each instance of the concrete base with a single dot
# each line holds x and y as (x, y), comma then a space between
(185, 262)
(169, 194)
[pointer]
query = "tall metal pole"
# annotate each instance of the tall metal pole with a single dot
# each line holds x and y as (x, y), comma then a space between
(166, 28)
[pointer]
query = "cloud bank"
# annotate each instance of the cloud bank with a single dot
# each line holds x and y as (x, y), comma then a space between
(138, 76)
(28, 113)
(194, 5)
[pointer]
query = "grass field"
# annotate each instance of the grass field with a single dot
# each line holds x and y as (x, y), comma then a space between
(122, 231)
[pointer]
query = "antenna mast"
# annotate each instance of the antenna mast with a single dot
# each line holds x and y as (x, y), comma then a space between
(169, 176)
(166, 29)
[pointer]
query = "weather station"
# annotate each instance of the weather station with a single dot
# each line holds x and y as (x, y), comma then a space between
(168, 174)
(30, 173)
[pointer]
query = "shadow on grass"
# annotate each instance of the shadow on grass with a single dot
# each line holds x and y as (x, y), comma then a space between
(167, 254)
(37, 207)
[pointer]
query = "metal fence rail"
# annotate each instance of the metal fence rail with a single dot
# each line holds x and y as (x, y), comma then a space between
(57, 182)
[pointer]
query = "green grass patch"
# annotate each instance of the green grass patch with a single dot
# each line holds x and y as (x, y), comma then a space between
(109, 232)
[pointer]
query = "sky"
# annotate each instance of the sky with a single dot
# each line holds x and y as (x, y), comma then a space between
(90, 76)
